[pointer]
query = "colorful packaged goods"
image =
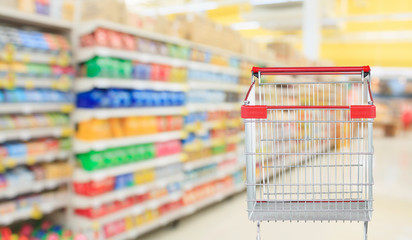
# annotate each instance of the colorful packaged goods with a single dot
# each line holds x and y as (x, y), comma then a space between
(97, 129)
(120, 98)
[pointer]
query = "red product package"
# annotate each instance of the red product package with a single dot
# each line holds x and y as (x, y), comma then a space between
(63, 42)
(57, 70)
(155, 72)
(51, 144)
(87, 40)
(51, 41)
(94, 188)
(114, 228)
(3, 152)
(101, 37)
(36, 148)
(129, 42)
(164, 73)
(115, 39)
(161, 124)
(142, 198)
(69, 71)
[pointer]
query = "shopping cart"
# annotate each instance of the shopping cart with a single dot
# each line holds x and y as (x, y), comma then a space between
(309, 144)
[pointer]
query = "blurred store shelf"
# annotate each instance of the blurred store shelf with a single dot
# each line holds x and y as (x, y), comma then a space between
(27, 108)
(81, 146)
(86, 84)
(32, 187)
(84, 114)
(30, 133)
(81, 175)
(31, 19)
(96, 201)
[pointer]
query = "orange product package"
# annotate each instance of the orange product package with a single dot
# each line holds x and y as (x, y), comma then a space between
(36, 148)
(58, 170)
(116, 127)
(152, 124)
(149, 125)
(161, 124)
(93, 130)
(131, 126)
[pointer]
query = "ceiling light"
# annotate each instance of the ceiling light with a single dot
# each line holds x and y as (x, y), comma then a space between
(245, 25)
(191, 7)
(267, 2)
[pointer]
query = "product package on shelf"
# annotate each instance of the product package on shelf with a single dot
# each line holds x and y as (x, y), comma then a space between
(59, 9)
(45, 229)
(35, 105)
(135, 163)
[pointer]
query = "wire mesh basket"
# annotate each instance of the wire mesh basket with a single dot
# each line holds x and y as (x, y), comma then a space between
(309, 144)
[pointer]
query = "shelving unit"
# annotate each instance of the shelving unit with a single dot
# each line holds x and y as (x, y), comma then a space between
(83, 84)
(83, 201)
(34, 20)
(27, 108)
(81, 146)
(27, 213)
(16, 191)
(33, 187)
(83, 175)
(177, 214)
(233, 163)
(83, 114)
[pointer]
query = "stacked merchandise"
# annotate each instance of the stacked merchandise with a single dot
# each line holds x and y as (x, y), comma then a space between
(129, 116)
(39, 230)
(392, 90)
(57, 9)
(146, 149)
(35, 103)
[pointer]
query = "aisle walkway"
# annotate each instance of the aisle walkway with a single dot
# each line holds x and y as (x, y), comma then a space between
(392, 219)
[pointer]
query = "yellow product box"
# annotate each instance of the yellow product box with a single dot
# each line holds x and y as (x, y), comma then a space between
(129, 223)
(141, 219)
(26, 5)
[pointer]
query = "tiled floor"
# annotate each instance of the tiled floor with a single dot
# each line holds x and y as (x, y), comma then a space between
(392, 218)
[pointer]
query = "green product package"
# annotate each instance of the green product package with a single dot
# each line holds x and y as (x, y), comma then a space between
(92, 68)
(140, 150)
(99, 67)
(218, 149)
(125, 69)
(120, 155)
(65, 143)
(149, 151)
(130, 153)
(112, 67)
(91, 161)
(110, 158)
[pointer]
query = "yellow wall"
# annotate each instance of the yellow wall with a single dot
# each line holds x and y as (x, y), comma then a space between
(348, 51)
(376, 52)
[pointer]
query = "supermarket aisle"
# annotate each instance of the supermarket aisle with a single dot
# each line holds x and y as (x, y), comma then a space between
(392, 217)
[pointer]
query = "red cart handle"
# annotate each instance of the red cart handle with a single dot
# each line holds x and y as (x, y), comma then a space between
(310, 70)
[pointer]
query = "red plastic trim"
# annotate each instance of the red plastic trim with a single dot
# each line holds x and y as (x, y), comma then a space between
(311, 69)
(356, 111)
(307, 107)
(362, 111)
(250, 89)
(253, 112)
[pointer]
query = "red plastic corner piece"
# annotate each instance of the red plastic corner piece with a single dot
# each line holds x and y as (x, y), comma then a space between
(255, 69)
(366, 68)
(362, 111)
(254, 111)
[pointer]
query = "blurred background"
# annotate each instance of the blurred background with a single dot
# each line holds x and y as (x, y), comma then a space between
(121, 119)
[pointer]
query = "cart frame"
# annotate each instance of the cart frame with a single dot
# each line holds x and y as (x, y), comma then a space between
(309, 149)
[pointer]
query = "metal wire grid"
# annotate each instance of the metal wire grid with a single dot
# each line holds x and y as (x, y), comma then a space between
(330, 152)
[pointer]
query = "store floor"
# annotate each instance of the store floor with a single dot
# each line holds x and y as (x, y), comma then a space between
(392, 217)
